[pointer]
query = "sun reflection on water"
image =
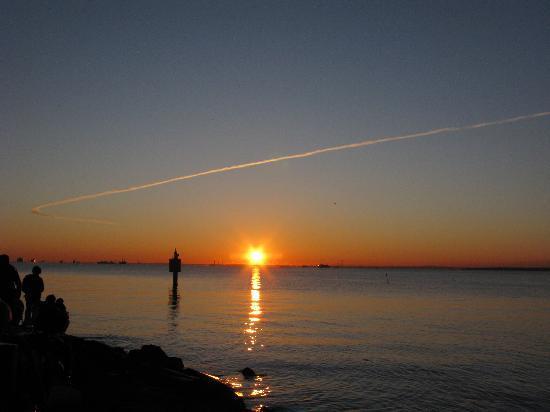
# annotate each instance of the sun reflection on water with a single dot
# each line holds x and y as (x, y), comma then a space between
(255, 388)
(252, 328)
(248, 389)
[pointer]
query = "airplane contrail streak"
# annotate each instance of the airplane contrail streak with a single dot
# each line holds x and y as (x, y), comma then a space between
(38, 210)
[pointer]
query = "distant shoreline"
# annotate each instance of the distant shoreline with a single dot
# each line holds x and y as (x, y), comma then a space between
(477, 268)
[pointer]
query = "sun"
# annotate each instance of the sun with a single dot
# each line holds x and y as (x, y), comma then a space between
(255, 256)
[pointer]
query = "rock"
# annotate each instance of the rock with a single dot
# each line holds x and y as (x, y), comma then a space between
(147, 355)
(174, 363)
(63, 398)
(97, 355)
(104, 378)
(8, 375)
(152, 355)
(248, 373)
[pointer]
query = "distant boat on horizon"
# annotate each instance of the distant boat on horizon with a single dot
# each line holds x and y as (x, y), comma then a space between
(322, 266)
(111, 262)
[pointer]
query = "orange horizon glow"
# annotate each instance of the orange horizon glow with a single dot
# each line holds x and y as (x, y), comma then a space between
(308, 247)
(413, 258)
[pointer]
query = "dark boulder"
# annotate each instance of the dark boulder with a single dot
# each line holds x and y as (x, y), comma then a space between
(64, 373)
(174, 363)
(152, 355)
(248, 373)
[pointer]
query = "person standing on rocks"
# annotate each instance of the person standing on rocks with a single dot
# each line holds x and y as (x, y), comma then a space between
(33, 286)
(10, 288)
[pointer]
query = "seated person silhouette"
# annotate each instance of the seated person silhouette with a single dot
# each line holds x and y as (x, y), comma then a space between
(10, 288)
(33, 286)
(52, 316)
(64, 315)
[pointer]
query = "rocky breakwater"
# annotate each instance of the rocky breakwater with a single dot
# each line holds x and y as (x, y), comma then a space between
(58, 373)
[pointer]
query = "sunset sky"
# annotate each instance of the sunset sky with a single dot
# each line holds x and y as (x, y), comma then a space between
(100, 95)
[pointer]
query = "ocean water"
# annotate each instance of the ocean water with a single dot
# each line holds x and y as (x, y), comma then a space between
(331, 339)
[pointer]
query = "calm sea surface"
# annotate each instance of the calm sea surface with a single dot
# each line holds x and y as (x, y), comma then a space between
(331, 339)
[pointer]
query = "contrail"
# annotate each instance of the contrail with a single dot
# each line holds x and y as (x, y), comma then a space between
(38, 209)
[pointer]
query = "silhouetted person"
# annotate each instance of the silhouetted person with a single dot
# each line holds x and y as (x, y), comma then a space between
(33, 286)
(61, 304)
(10, 288)
(47, 314)
(63, 320)
(5, 315)
(52, 316)
(10, 283)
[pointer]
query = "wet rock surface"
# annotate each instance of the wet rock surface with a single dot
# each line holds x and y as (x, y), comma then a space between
(248, 373)
(66, 373)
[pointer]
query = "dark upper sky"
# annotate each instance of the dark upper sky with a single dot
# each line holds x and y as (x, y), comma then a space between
(96, 95)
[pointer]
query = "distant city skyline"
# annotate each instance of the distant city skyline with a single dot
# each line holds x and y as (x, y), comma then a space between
(99, 95)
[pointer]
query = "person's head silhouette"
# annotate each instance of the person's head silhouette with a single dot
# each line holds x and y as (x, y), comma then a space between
(50, 299)
(36, 270)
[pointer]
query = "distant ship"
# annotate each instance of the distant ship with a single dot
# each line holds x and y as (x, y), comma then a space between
(322, 266)
(111, 262)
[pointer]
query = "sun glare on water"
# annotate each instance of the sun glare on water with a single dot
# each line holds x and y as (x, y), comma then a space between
(256, 256)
